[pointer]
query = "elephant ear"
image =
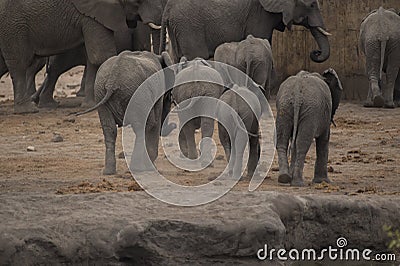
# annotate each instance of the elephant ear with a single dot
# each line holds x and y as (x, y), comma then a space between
(109, 13)
(286, 7)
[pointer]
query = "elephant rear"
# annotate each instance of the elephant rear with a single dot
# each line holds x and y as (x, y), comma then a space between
(305, 107)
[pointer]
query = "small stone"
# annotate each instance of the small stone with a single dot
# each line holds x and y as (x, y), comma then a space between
(41, 132)
(57, 138)
(275, 169)
(121, 155)
(31, 149)
(330, 169)
(219, 157)
(69, 120)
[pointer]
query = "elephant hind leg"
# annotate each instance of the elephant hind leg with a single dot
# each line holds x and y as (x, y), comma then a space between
(284, 128)
(303, 143)
(392, 73)
(254, 155)
(110, 135)
(322, 150)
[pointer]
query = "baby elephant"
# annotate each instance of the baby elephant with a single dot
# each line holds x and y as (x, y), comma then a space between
(117, 80)
(306, 104)
(252, 56)
(196, 79)
(233, 134)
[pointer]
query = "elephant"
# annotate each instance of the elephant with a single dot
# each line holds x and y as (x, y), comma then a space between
(137, 39)
(306, 104)
(197, 28)
(117, 80)
(380, 42)
(248, 108)
(252, 56)
(31, 29)
(197, 69)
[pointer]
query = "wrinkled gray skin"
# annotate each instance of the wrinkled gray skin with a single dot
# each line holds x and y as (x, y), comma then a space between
(116, 81)
(197, 28)
(31, 29)
(187, 71)
(306, 104)
(137, 39)
(380, 42)
(248, 107)
(252, 56)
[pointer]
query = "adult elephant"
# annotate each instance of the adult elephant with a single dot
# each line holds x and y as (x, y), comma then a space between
(197, 28)
(135, 39)
(31, 29)
(380, 42)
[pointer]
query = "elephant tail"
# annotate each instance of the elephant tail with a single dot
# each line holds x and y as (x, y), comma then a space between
(109, 93)
(296, 118)
(240, 123)
(383, 51)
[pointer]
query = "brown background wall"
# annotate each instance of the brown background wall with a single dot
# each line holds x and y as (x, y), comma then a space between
(342, 19)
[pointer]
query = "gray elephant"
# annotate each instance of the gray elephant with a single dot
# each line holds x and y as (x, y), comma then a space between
(233, 134)
(31, 29)
(197, 28)
(380, 42)
(186, 89)
(252, 56)
(117, 80)
(137, 39)
(306, 104)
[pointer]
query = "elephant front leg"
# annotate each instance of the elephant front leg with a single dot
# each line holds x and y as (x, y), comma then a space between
(110, 135)
(283, 136)
(22, 97)
(397, 91)
(322, 150)
(89, 85)
(374, 98)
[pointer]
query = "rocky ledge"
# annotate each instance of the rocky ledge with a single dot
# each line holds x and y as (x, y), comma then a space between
(133, 228)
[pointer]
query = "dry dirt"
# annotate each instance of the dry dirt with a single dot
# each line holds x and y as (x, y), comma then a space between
(364, 151)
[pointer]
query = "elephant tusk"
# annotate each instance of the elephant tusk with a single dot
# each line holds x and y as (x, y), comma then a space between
(324, 32)
(154, 26)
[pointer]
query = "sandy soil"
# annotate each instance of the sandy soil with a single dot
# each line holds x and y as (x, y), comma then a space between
(364, 151)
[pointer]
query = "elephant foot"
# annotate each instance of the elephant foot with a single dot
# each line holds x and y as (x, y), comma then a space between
(81, 93)
(297, 183)
(50, 104)
(368, 104)
(284, 179)
(88, 104)
(109, 171)
(25, 108)
(35, 97)
(397, 103)
(379, 101)
(390, 105)
(321, 180)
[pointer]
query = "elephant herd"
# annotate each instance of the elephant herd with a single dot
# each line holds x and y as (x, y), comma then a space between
(97, 33)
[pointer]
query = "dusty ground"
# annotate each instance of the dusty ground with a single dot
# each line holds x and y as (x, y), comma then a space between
(364, 151)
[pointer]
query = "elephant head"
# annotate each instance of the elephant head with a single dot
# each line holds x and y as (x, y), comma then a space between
(335, 86)
(305, 13)
(117, 14)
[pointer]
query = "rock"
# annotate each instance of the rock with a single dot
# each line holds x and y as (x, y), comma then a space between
(57, 138)
(31, 149)
(121, 155)
(69, 120)
(220, 157)
(135, 229)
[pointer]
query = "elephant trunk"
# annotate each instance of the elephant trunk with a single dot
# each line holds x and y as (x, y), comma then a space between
(155, 36)
(321, 37)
